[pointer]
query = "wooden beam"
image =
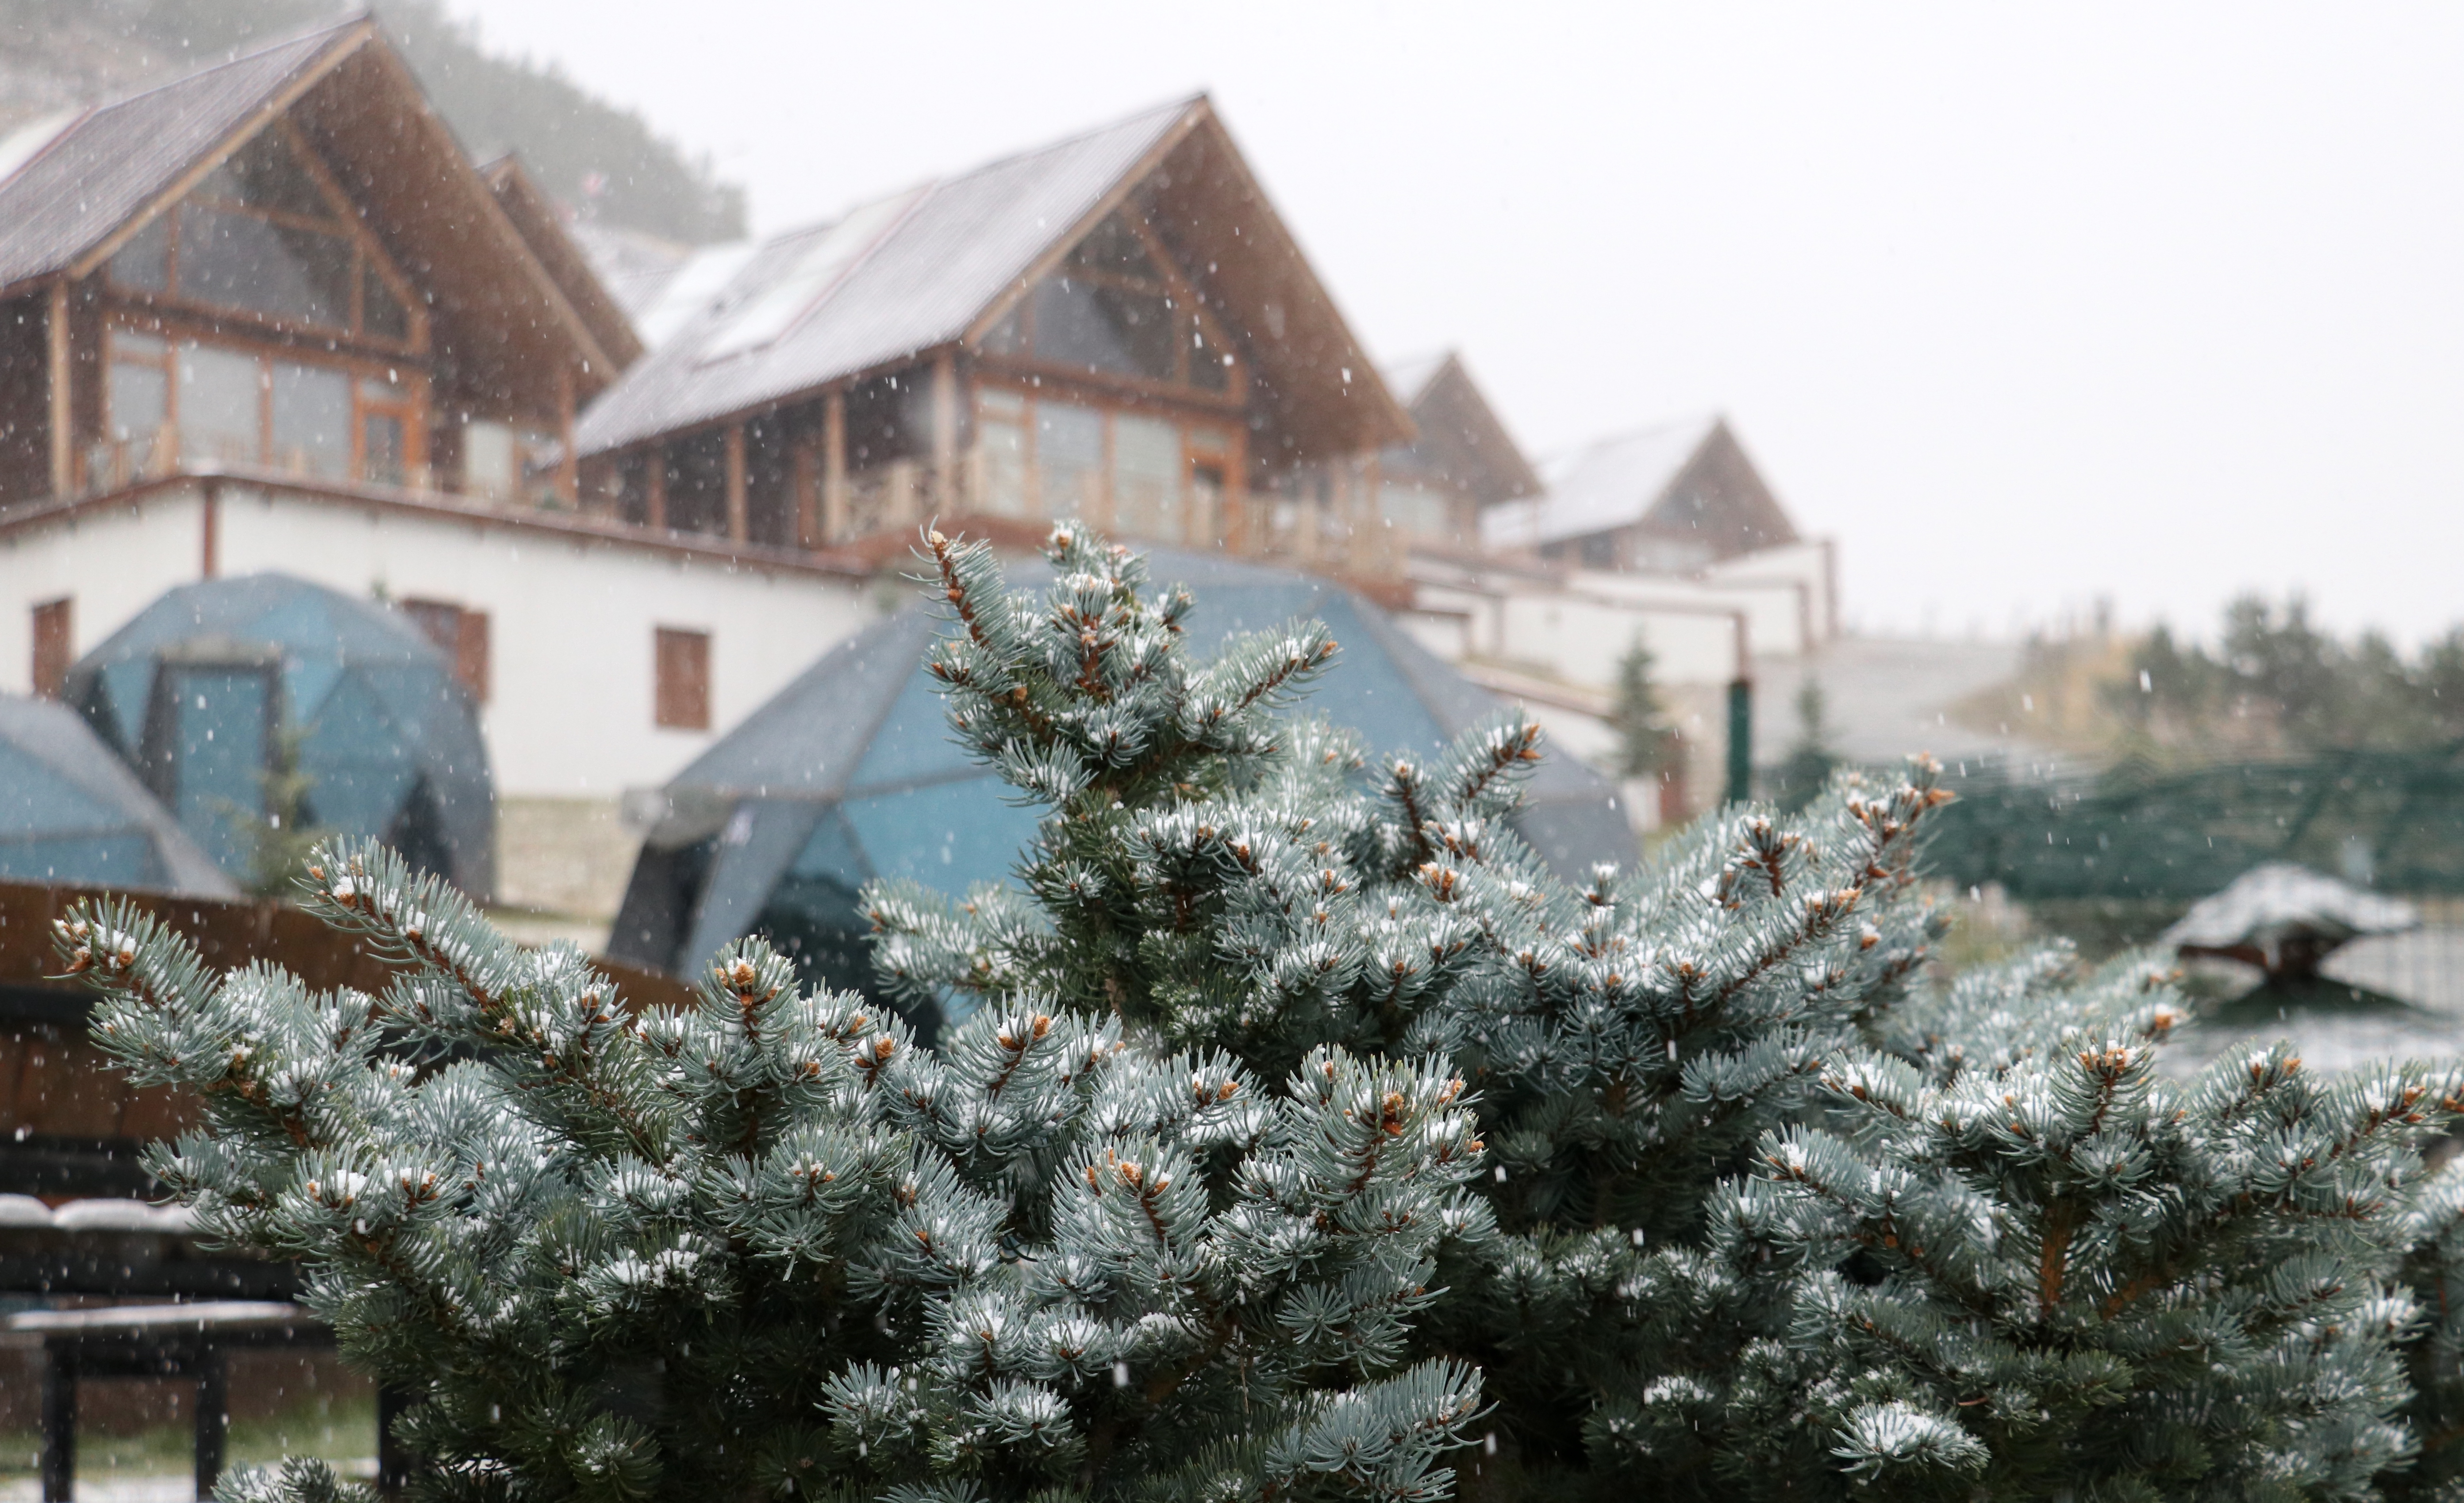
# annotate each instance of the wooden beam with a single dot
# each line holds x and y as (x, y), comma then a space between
(55, 334)
(834, 476)
(568, 469)
(945, 432)
(209, 523)
(655, 512)
(1239, 526)
(739, 522)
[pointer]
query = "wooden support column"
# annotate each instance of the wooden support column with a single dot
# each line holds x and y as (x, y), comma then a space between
(834, 473)
(656, 483)
(55, 334)
(1240, 524)
(945, 493)
(739, 522)
(209, 526)
(805, 468)
(568, 470)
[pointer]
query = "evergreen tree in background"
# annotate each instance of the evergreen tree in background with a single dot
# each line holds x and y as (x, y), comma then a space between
(1806, 766)
(1647, 744)
(1308, 1138)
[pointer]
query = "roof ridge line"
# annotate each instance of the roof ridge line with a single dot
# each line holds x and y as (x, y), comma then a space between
(100, 106)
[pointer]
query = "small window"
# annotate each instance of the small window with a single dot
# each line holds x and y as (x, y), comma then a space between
(682, 690)
(54, 647)
(461, 633)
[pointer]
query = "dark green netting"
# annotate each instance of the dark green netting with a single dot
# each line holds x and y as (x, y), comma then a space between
(850, 773)
(2390, 819)
(202, 689)
(69, 811)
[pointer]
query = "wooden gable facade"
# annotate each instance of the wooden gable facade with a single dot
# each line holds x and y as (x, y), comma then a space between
(322, 289)
(1162, 364)
(1461, 460)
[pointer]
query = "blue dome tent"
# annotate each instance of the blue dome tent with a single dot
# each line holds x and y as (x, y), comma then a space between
(850, 773)
(71, 813)
(199, 691)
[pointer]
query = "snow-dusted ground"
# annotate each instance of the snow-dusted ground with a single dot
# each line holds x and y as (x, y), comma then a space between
(2424, 969)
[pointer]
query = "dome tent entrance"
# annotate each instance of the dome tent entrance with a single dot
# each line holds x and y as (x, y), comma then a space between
(71, 813)
(851, 773)
(204, 690)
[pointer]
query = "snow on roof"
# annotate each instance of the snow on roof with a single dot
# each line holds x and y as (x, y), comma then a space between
(1409, 378)
(75, 187)
(1612, 483)
(2269, 904)
(926, 270)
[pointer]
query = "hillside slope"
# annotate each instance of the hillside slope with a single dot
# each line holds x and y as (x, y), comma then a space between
(55, 52)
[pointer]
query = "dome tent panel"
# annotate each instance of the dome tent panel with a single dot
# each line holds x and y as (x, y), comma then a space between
(71, 811)
(862, 740)
(205, 690)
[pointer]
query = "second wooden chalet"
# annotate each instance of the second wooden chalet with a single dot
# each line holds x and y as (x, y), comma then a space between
(1116, 328)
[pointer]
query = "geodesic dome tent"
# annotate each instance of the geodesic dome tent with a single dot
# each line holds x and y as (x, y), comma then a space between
(850, 773)
(200, 692)
(69, 811)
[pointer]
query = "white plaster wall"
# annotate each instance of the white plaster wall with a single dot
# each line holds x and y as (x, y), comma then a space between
(570, 629)
(1775, 612)
(111, 561)
(1806, 562)
(1582, 639)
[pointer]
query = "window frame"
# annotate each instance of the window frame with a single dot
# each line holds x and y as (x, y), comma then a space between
(1184, 300)
(680, 701)
(1207, 440)
(366, 255)
(360, 369)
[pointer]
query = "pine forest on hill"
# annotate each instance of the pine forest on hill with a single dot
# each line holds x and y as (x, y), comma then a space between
(56, 52)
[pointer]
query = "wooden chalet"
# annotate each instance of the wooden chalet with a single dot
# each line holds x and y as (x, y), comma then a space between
(1460, 461)
(286, 263)
(1672, 500)
(1116, 328)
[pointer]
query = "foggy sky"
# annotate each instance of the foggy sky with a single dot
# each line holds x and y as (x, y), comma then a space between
(2025, 306)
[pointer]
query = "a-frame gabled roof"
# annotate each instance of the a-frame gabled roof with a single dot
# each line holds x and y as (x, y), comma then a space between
(936, 264)
(541, 222)
(1463, 441)
(500, 314)
(1687, 478)
(104, 165)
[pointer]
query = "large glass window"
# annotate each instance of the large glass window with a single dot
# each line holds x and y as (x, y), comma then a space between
(261, 234)
(221, 405)
(312, 420)
(1068, 457)
(285, 271)
(1113, 309)
(1121, 331)
(1000, 439)
(1146, 478)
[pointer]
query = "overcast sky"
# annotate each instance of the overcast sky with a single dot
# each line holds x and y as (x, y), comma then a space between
(2024, 306)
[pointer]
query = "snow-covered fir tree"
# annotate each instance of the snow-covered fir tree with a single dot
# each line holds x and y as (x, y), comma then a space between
(1308, 1137)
